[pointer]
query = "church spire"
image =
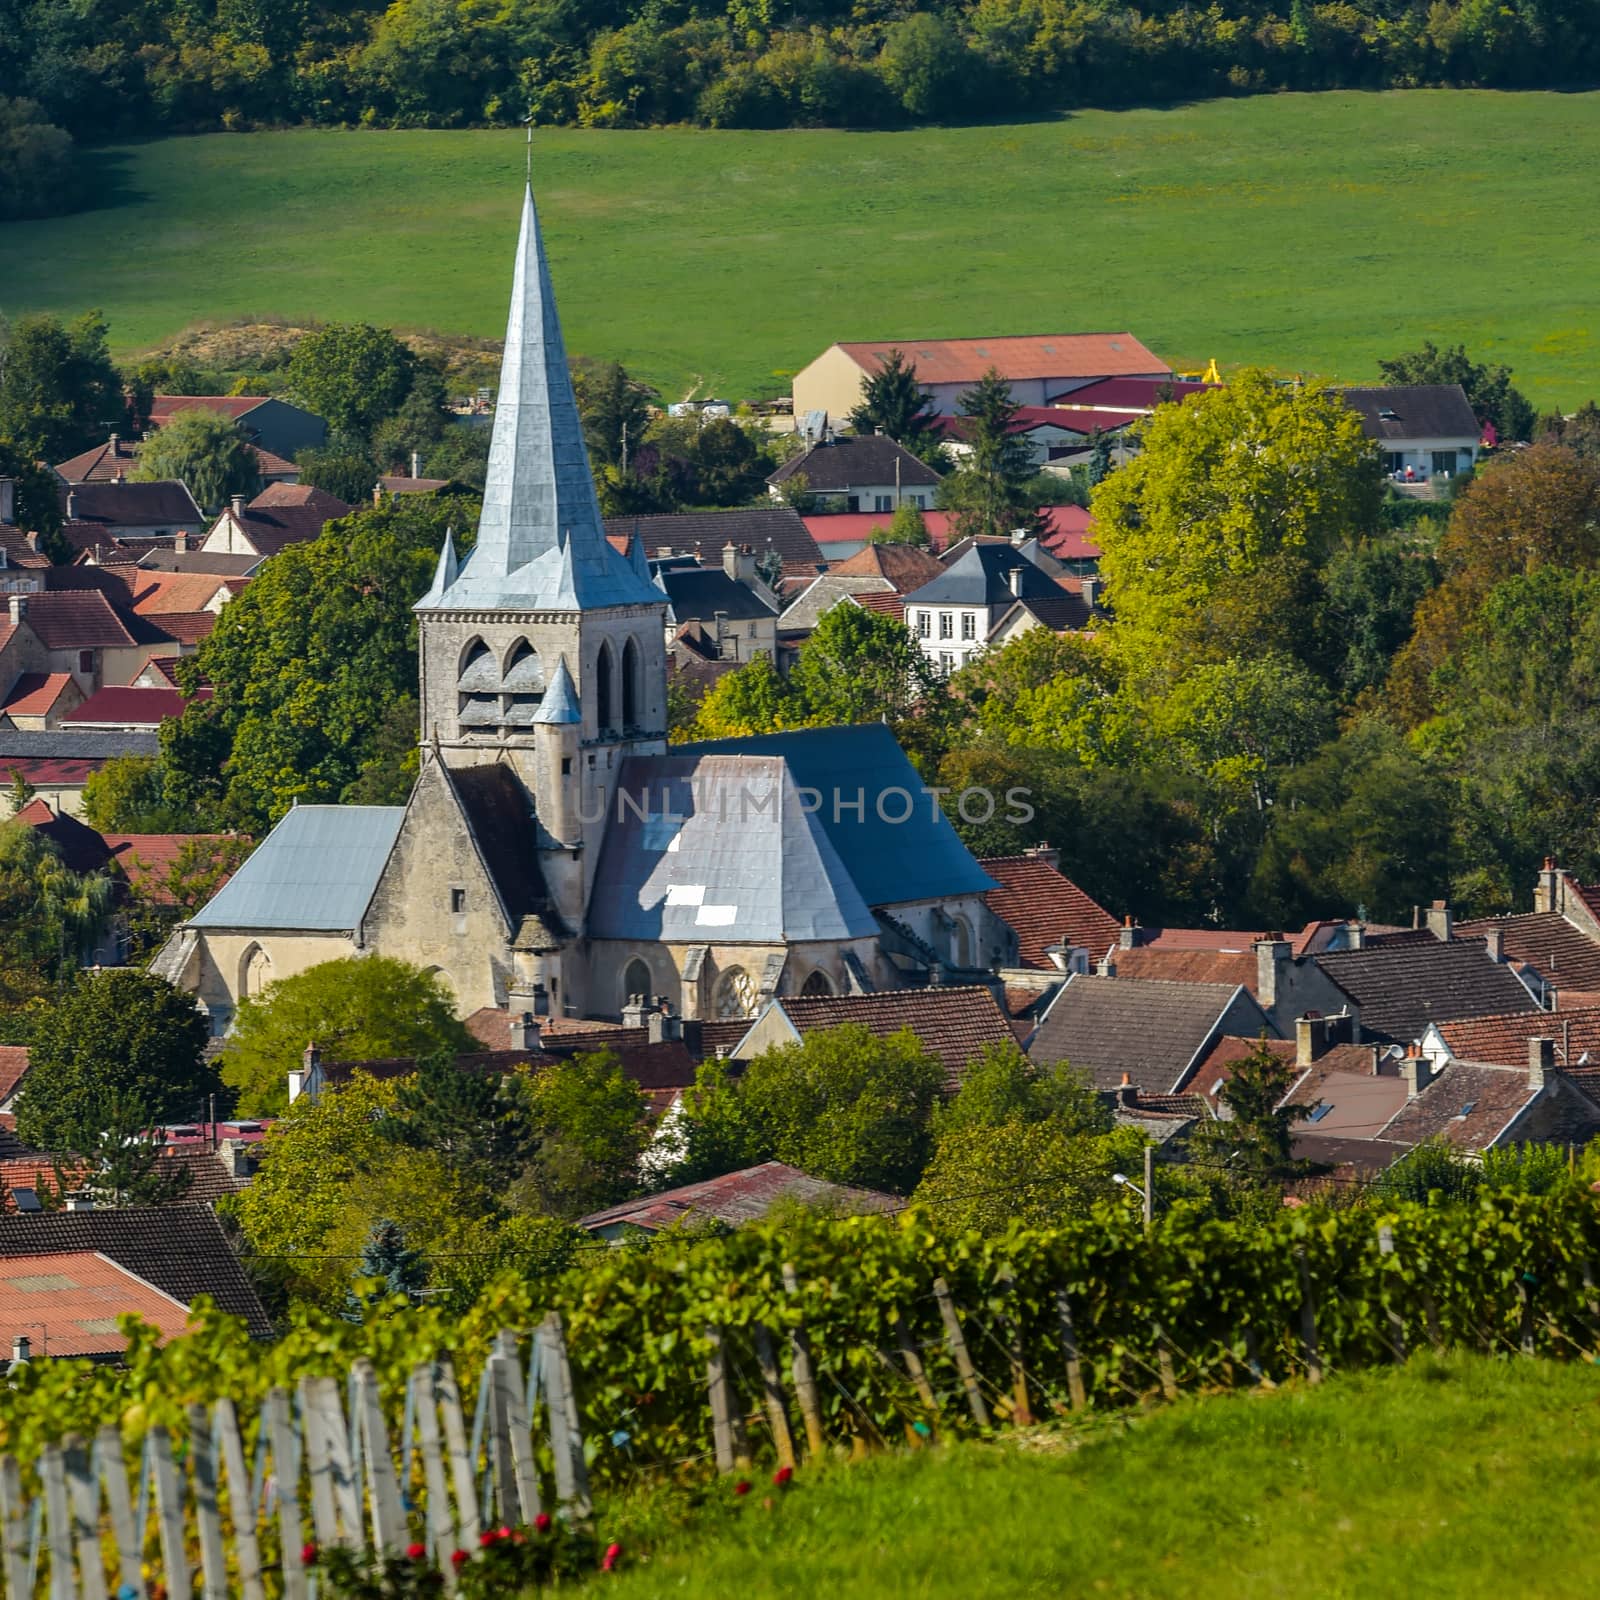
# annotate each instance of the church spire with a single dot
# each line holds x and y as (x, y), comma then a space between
(538, 493)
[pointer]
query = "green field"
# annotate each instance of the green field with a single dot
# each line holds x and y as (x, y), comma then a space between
(1460, 1480)
(1306, 232)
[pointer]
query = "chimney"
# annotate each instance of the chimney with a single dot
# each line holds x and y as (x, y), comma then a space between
(21, 1349)
(1127, 1094)
(1106, 966)
(719, 620)
(1417, 1071)
(1128, 938)
(1440, 923)
(1046, 853)
(1547, 887)
(31, 539)
(730, 560)
(19, 607)
(416, 465)
(1310, 1038)
(525, 1032)
(1494, 942)
(1541, 1062)
(180, 540)
(1272, 961)
(377, 494)
(236, 501)
(633, 1013)
(1355, 935)
(80, 1202)
(300, 1077)
(116, 444)
(1014, 578)
(662, 1024)
(1091, 592)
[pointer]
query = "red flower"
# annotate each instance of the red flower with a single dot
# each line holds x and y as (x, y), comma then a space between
(742, 1487)
(417, 1552)
(502, 1533)
(782, 1476)
(308, 1555)
(487, 1537)
(612, 1557)
(542, 1522)
(459, 1558)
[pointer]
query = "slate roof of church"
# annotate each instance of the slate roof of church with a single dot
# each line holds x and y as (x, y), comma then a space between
(724, 853)
(500, 816)
(314, 872)
(890, 862)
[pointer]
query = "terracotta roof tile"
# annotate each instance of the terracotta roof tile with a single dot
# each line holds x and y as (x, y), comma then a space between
(19, 553)
(35, 693)
(1046, 355)
(13, 1064)
(76, 620)
(956, 1024)
(68, 1305)
(1219, 1061)
(1046, 908)
(1186, 966)
(1563, 956)
(737, 1198)
(1503, 1040)
(902, 566)
(1468, 1104)
(286, 513)
(163, 406)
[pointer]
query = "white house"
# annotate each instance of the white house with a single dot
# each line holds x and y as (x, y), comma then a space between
(869, 472)
(1425, 430)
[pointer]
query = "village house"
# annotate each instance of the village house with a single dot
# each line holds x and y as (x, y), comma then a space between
(879, 575)
(1426, 431)
(116, 512)
(868, 472)
(273, 425)
(775, 535)
(281, 515)
(1038, 368)
(116, 460)
(724, 613)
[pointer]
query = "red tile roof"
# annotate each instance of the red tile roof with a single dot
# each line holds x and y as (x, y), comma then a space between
(130, 708)
(902, 566)
(13, 1063)
(52, 772)
(182, 627)
(165, 406)
(34, 693)
(1563, 956)
(956, 1024)
(1046, 908)
(102, 463)
(68, 1305)
(70, 619)
(1129, 394)
(739, 1197)
(1217, 1065)
(1045, 355)
(888, 605)
(1187, 966)
(1503, 1040)
(154, 591)
(287, 513)
(18, 552)
(145, 858)
(1064, 536)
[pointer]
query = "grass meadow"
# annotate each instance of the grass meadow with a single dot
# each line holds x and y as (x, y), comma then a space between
(1306, 232)
(1458, 1479)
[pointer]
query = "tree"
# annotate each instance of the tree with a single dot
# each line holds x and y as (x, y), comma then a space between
(125, 796)
(907, 526)
(1055, 691)
(59, 392)
(1361, 829)
(893, 402)
(1215, 531)
(316, 655)
(1099, 464)
(47, 912)
(1002, 1086)
(416, 428)
(38, 166)
(859, 666)
(1258, 1136)
(355, 1009)
(589, 1128)
(125, 1157)
(845, 1106)
(352, 374)
(36, 496)
(117, 1036)
(616, 409)
(926, 65)
(207, 452)
(388, 1267)
(1489, 389)
(988, 493)
(729, 469)
(479, 1124)
(342, 469)
(750, 699)
(158, 900)
(1371, 593)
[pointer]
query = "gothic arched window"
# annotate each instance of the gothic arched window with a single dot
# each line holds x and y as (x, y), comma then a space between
(637, 981)
(736, 993)
(630, 685)
(818, 983)
(602, 689)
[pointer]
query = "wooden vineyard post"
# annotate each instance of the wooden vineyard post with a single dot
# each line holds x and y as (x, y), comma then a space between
(772, 1395)
(241, 1502)
(1525, 1303)
(383, 1491)
(957, 1342)
(335, 1495)
(497, 1433)
(725, 1429)
(912, 1356)
(1308, 1319)
(561, 1400)
(526, 1505)
(1069, 1349)
(461, 1463)
(58, 1527)
(1397, 1323)
(441, 1525)
(286, 1475)
(84, 1493)
(169, 1515)
(208, 1515)
(1021, 1411)
(805, 1376)
(13, 1529)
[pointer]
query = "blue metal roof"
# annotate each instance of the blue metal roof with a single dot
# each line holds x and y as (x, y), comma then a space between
(891, 862)
(315, 871)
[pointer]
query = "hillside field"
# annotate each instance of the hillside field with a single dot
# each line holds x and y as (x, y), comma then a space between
(1306, 232)
(1458, 1479)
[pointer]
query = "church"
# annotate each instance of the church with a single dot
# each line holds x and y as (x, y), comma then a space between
(555, 856)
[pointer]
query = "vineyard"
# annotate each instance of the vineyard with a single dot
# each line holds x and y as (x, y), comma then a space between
(419, 1430)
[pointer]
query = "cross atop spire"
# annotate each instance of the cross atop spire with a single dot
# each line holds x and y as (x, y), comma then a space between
(538, 495)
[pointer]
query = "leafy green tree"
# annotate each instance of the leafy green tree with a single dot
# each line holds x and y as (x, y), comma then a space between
(1003, 1086)
(205, 451)
(616, 409)
(1258, 1137)
(1215, 532)
(859, 666)
(1099, 464)
(125, 1161)
(709, 1134)
(37, 501)
(729, 468)
(1048, 691)
(38, 166)
(1489, 389)
(1362, 828)
(893, 402)
(989, 493)
(125, 796)
(352, 374)
(907, 526)
(1431, 1173)
(926, 65)
(318, 652)
(59, 392)
(117, 1036)
(342, 469)
(1372, 590)
(846, 1106)
(750, 699)
(589, 1129)
(479, 1124)
(356, 1009)
(47, 913)
(416, 427)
